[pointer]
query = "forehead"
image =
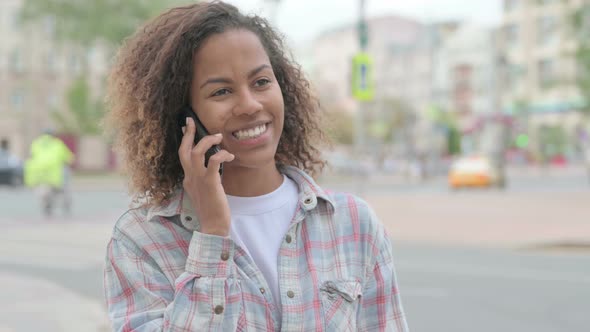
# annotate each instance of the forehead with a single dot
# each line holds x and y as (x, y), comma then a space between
(230, 51)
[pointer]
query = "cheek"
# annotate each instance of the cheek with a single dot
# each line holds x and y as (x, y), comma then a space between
(213, 116)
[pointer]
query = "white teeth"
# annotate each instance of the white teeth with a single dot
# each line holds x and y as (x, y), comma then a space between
(250, 133)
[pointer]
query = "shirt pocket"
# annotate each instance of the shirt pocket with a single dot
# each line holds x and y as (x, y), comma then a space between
(340, 301)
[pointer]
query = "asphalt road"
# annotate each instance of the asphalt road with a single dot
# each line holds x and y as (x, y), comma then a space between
(52, 269)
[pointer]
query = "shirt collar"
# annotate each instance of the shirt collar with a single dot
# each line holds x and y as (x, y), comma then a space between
(179, 203)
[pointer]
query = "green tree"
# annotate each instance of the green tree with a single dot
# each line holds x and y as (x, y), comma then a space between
(580, 20)
(83, 114)
(340, 126)
(85, 22)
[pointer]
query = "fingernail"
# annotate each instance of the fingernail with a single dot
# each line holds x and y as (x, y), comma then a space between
(218, 134)
(187, 121)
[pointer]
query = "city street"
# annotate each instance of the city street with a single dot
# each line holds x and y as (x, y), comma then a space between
(486, 260)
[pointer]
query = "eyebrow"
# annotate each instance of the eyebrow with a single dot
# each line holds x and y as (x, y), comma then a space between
(227, 80)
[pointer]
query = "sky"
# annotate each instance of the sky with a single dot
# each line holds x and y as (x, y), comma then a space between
(302, 20)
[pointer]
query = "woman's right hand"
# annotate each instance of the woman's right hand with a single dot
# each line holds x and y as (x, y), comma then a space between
(203, 184)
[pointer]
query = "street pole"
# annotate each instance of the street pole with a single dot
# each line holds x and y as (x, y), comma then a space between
(360, 116)
(360, 145)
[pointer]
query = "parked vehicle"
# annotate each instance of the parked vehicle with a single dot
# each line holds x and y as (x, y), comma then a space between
(476, 171)
(11, 170)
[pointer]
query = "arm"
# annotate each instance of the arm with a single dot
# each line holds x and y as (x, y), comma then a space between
(381, 307)
(207, 296)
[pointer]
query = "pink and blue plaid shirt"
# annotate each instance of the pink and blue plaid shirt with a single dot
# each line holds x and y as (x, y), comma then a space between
(335, 268)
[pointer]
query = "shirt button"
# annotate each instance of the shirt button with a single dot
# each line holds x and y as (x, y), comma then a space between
(308, 201)
(262, 290)
(188, 218)
(218, 309)
(290, 294)
(224, 255)
(288, 238)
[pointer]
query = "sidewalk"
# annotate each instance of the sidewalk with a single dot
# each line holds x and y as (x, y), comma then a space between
(33, 304)
(491, 219)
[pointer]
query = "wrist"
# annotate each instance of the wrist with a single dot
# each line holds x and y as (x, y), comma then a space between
(215, 231)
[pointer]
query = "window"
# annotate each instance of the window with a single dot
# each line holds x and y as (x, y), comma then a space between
(510, 5)
(74, 64)
(50, 62)
(15, 21)
(546, 29)
(546, 73)
(512, 32)
(16, 61)
(18, 100)
(49, 25)
(52, 100)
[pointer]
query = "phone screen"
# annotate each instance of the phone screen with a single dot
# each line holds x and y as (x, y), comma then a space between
(188, 112)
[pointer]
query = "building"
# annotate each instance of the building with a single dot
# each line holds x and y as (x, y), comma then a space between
(539, 85)
(467, 81)
(35, 73)
(401, 57)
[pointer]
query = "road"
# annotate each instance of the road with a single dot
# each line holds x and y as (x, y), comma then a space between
(467, 261)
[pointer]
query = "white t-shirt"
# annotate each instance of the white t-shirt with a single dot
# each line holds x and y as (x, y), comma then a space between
(259, 224)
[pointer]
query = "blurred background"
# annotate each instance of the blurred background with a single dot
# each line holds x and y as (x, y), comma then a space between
(465, 124)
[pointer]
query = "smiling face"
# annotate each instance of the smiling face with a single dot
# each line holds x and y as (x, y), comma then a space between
(234, 92)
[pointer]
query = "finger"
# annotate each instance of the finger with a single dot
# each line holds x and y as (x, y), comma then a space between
(186, 145)
(198, 152)
(215, 161)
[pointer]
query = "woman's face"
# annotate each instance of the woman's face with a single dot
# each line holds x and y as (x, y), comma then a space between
(234, 92)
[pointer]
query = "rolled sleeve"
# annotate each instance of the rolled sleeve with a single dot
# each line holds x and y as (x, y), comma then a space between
(210, 256)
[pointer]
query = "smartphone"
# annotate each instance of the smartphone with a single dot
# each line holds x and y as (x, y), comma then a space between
(187, 112)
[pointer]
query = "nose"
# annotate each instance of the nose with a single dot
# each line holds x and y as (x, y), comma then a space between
(247, 104)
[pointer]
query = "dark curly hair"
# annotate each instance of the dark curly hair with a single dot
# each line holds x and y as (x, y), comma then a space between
(150, 82)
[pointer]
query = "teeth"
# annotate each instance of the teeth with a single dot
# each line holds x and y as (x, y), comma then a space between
(250, 133)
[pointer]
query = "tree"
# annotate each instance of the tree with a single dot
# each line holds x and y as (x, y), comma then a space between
(83, 115)
(340, 126)
(580, 22)
(84, 22)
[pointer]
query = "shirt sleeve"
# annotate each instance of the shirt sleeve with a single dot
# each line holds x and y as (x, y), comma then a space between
(207, 296)
(381, 307)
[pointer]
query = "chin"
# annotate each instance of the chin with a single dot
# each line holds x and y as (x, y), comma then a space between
(254, 160)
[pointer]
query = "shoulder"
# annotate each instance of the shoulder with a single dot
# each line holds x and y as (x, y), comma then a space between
(136, 228)
(352, 210)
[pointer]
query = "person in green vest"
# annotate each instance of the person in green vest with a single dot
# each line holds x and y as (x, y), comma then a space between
(47, 171)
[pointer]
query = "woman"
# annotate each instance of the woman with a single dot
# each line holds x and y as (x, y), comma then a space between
(260, 246)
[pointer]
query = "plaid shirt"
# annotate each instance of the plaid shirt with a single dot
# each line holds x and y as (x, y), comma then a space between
(335, 269)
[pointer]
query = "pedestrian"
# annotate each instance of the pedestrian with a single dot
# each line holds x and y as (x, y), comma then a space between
(258, 245)
(47, 171)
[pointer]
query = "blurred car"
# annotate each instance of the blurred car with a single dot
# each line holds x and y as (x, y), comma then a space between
(11, 170)
(476, 171)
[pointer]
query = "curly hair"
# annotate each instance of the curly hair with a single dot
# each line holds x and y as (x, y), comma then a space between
(150, 82)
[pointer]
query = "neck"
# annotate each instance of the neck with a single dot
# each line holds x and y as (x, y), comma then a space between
(251, 182)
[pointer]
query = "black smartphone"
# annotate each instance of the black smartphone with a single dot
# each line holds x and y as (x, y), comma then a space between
(187, 112)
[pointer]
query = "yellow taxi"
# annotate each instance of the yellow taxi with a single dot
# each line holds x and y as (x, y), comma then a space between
(475, 171)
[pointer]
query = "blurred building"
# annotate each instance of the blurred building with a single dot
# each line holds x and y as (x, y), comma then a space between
(467, 81)
(35, 73)
(401, 53)
(540, 68)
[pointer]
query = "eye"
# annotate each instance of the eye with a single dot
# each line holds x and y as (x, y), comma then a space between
(262, 82)
(220, 92)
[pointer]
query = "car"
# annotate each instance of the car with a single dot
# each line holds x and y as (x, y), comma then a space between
(475, 171)
(11, 170)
